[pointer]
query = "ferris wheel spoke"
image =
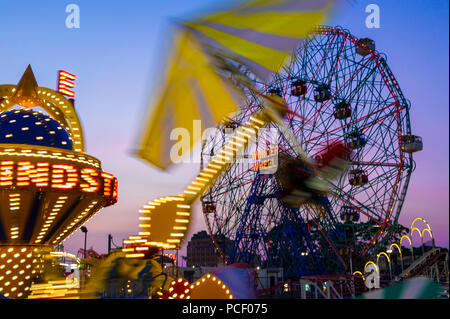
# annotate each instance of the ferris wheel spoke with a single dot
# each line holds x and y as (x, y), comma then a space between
(314, 75)
(347, 199)
(232, 210)
(338, 55)
(311, 216)
(376, 164)
(280, 82)
(226, 182)
(316, 113)
(375, 185)
(375, 121)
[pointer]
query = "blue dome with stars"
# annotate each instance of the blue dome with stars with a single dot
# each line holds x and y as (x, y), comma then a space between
(33, 128)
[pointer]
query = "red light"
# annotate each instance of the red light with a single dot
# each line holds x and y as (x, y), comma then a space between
(65, 81)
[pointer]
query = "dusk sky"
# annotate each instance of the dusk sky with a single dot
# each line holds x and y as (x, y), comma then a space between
(117, 54)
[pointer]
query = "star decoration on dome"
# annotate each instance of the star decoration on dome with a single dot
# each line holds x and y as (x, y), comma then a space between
(26, 94)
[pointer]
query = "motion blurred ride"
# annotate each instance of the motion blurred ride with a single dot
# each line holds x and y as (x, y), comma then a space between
(301, 180)
(48, 186)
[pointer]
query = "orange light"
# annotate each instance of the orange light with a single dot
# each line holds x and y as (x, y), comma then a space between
(115, 189)
(42, 174)
(263, 160)
(6, 173)
(58, 176)
(64, 176)
(65, 81)
(107, 184)
(28, 173)
(92, 184)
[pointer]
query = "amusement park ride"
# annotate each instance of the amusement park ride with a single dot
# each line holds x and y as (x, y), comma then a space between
(344, 149)
(344, 92)
(48, 186)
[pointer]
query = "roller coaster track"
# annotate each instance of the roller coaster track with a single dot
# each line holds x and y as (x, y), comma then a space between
(424, 263)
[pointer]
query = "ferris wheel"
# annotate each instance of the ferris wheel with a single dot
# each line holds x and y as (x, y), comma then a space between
(340, 90)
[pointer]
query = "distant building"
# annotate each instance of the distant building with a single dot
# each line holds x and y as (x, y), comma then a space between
(202, 252)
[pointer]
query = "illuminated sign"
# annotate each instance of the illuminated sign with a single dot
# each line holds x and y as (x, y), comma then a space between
(266, 161)
(57, 176)
(65, 82)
